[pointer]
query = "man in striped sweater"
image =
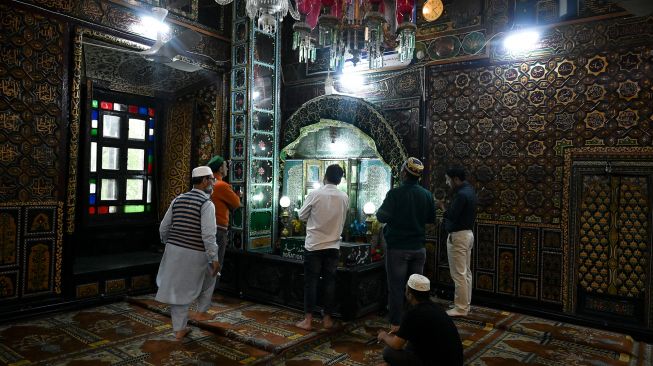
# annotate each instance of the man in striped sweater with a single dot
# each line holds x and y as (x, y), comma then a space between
(190, 262)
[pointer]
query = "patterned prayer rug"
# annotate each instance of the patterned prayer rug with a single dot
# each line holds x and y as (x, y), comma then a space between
(116, 334)
(356, 346)
(267, 327)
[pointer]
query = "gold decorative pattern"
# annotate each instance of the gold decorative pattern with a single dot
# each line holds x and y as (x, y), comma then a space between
(114, 286)
(73, 130)
(87, 290)
(632, 247)
(570, 155)
(175, 164)
(595, 240)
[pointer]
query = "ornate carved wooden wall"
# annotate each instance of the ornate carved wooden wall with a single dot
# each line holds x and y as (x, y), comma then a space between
(510, 124)
(32, 154)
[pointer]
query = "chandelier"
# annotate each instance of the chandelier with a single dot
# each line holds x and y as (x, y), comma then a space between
(267, 12)
(352, 29)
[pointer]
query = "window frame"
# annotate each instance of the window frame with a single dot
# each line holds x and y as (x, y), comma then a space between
(149, 215)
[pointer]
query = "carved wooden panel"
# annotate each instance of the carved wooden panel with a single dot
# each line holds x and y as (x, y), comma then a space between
(31, 130)
(175, 166)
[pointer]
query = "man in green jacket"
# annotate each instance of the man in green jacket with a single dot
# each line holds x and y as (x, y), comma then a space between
(405, 211)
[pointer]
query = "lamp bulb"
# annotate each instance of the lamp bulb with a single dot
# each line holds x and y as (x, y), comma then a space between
(369, 208)
(284, 202)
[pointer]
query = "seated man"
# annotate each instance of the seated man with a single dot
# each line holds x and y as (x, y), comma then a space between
(426, 336)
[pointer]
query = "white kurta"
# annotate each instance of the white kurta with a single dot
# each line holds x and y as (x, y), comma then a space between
(184, 273)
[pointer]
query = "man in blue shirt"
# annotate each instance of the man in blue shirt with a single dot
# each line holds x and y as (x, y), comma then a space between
(459, 222)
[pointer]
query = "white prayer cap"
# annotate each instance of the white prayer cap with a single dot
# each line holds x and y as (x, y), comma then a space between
(202, 171)
(419, 283)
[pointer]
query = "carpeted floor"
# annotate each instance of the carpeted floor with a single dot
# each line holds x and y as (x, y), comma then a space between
(138, 332)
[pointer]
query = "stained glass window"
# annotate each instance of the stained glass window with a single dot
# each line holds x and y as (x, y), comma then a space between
(121, 135)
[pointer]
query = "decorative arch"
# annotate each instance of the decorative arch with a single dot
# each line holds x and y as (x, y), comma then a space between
(354, 111)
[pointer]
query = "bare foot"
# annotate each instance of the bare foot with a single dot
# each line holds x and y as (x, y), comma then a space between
(327, 322)
(182, 333)
(197, 316)
(394, 328)
(304, 324)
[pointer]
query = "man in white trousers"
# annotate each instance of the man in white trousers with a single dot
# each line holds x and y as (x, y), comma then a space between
(459, 222)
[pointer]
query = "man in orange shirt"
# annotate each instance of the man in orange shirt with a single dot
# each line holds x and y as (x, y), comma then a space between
(224, 199)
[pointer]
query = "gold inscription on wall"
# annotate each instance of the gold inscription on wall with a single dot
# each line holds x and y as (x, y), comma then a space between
(8, 153)
(9, 121)
(45, 124)
(9, 87)
(46, 93)
(8, 234)
(38, 268)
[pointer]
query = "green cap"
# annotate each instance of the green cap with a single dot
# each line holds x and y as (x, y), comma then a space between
(215, 163)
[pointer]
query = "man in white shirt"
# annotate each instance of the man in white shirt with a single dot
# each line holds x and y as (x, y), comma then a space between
(324, 211)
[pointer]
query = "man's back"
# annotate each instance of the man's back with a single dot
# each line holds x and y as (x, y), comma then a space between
(324, 210)
(406, 210)
(432, 335)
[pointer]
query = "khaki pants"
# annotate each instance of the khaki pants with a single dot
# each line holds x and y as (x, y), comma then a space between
(459, 252)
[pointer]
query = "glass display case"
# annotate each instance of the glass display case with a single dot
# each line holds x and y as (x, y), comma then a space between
(367, 177)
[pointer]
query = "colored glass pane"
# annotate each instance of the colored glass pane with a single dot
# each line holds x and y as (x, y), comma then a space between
(260, 221)
(151, 133)
(151, 138)
(151, 123)
(135, 159)
(94, 103)
(91, 199)
(149, 168)
(150, 159)
(136, 129)
(93, 159)
(91, 187)
(142, 110)
(150, 112)
(148, 208)
(92, 180)
(110, 157)
(149, 191)
(134, 208)
(94, 132)
(113, 209)
(91, 210)
(134, 189)
(106, 105)
(103, 210)
(110, 126)
(133, 109)
(119, 107)
(109, 190)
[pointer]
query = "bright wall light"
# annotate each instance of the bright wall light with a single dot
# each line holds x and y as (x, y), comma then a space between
(149, 27)
(352, 82)
(521, 41)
